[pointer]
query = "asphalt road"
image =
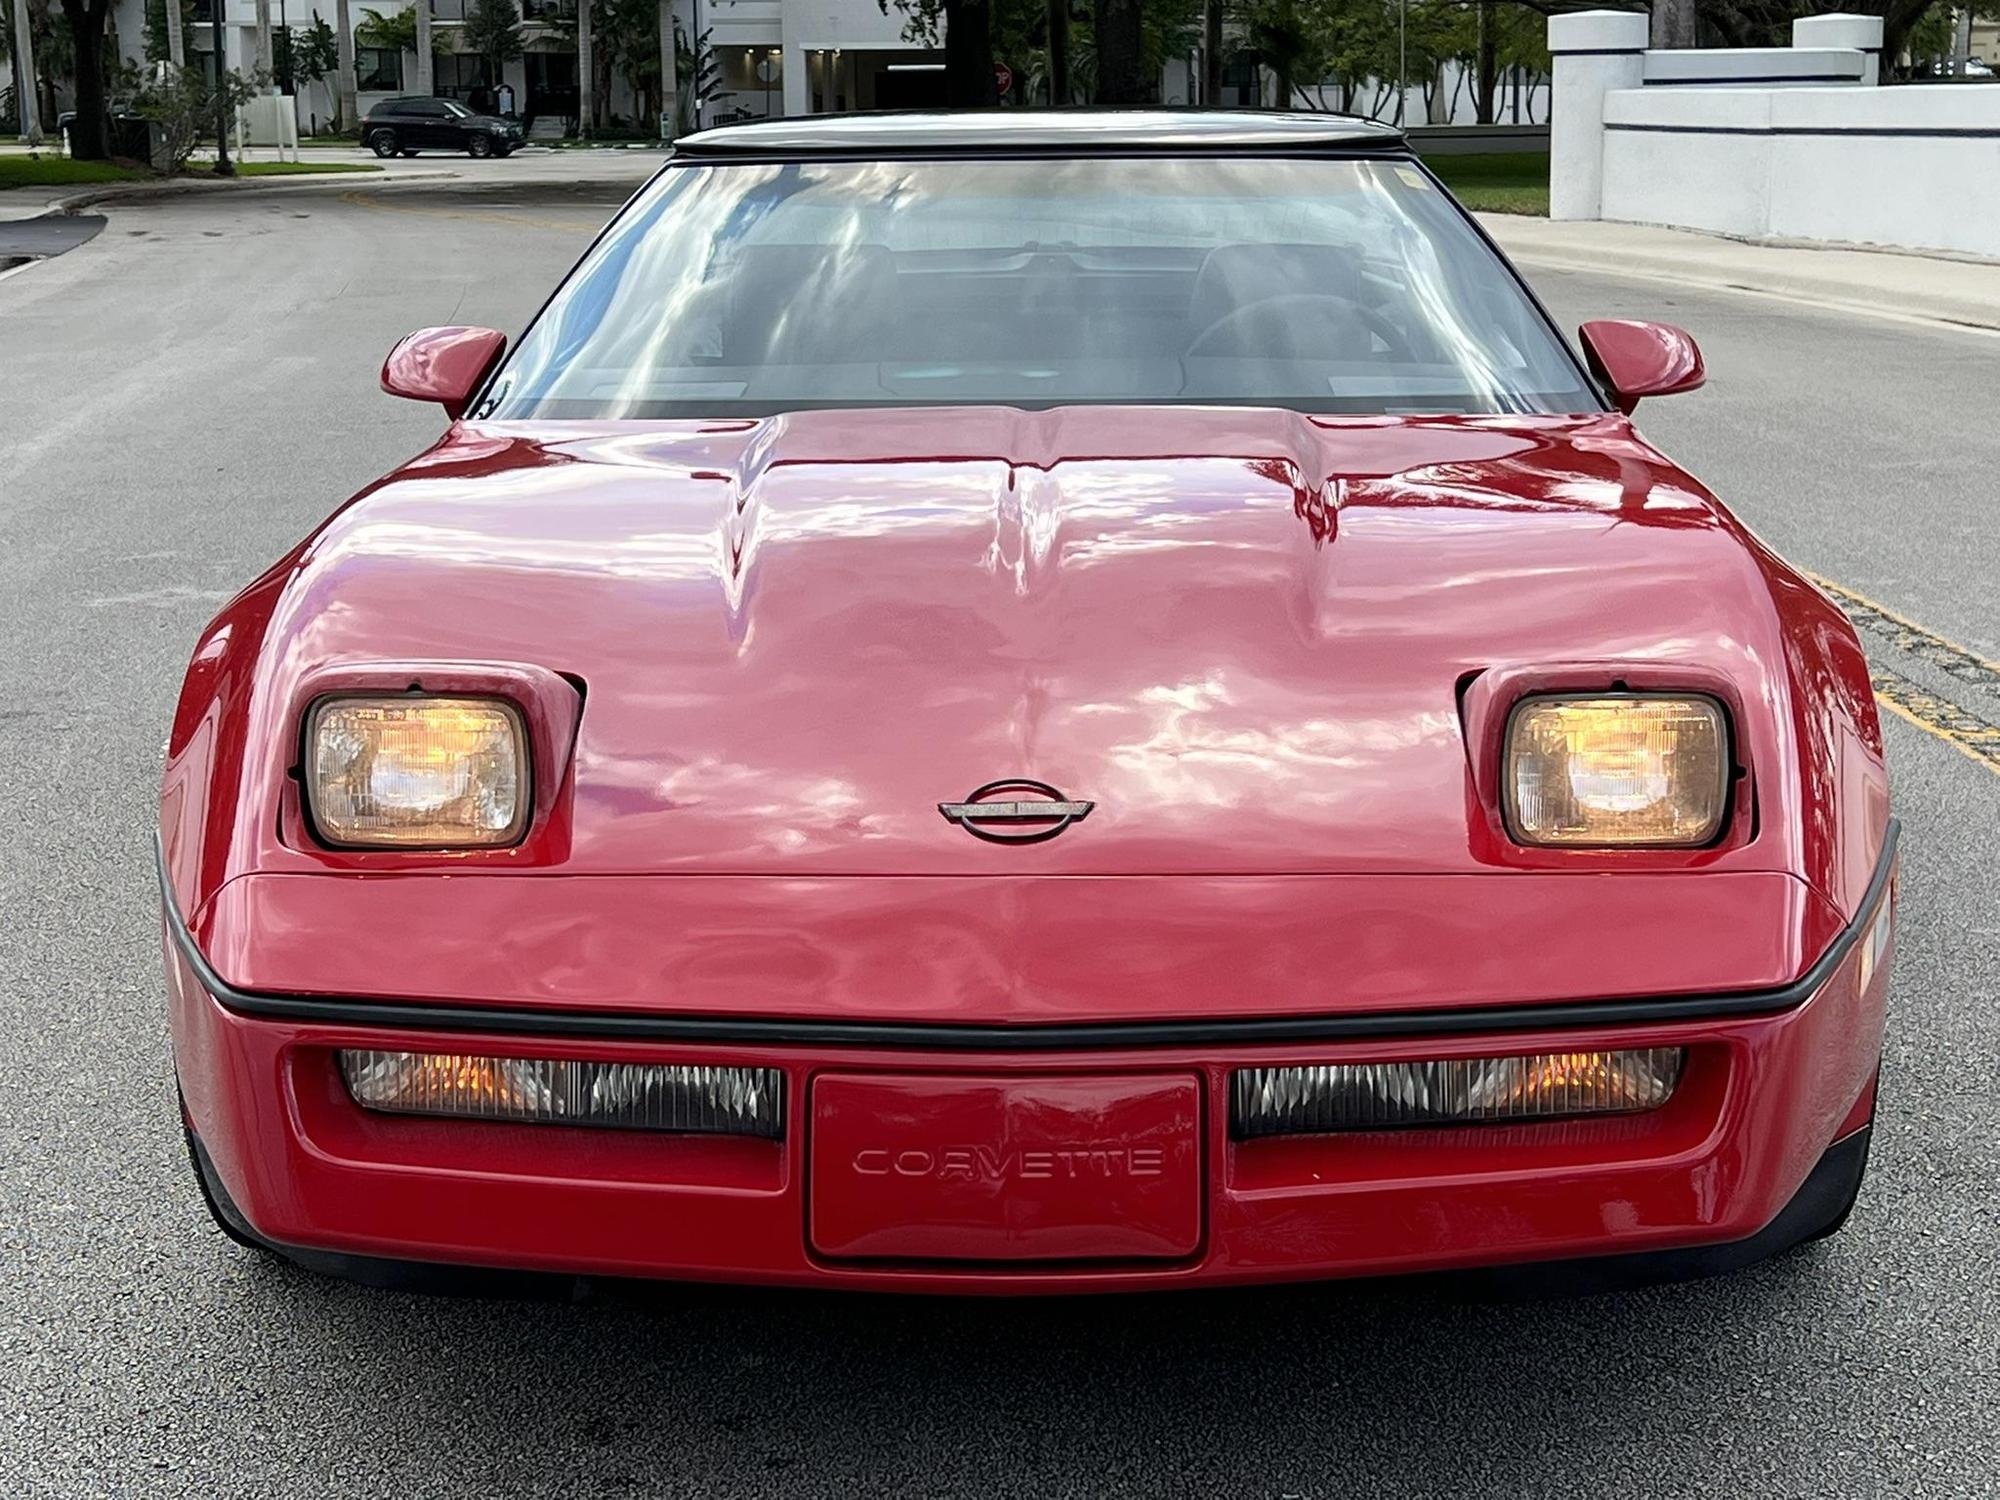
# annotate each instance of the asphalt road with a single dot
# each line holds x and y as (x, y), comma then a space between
(184, 396)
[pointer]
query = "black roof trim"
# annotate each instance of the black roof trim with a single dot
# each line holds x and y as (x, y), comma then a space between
(1039, 132)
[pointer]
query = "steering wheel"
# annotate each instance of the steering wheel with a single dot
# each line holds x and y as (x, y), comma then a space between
(1293, 325)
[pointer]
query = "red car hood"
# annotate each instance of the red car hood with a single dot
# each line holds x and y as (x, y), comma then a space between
(1240, 633)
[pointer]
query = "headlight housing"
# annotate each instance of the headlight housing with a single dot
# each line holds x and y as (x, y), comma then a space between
(1624, 770)
(415, 772)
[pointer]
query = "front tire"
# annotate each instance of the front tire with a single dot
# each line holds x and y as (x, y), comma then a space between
(382, 142)
(479, 147)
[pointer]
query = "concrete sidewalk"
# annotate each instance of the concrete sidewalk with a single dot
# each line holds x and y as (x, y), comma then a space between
(1880, 283)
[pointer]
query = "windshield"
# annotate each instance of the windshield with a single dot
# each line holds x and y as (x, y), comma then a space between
(457, 111)
(1318, 285)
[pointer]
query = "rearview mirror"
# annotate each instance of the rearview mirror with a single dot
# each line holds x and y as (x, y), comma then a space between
(444, 365)
(1641, 359)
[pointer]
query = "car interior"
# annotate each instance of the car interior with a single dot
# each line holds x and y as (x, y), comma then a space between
(980, 311)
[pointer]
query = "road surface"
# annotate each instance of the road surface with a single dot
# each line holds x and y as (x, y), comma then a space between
(189, 392)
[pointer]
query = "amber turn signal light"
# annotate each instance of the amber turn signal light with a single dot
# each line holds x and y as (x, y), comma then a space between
(1450, 1091)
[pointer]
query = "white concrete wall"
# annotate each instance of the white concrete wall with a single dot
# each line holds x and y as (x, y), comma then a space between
(1593, 52)
(1916, 167)
(1686, 140)
(823, 25)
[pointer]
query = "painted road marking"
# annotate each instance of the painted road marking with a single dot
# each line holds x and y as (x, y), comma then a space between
(1969, 733)
(1907, 635)
(1939, 717)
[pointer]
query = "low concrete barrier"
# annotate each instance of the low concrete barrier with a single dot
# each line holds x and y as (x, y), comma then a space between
(1741, 143)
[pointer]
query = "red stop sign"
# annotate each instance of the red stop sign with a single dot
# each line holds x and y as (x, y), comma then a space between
(1003, 79)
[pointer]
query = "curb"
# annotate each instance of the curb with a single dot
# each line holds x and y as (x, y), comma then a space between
(142, 191)
(1835, 277)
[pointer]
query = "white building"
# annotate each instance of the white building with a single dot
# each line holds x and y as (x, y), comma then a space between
(772, 57)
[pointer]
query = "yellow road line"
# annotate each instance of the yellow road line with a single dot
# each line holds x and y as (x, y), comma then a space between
(473, 215)
(1938, 717)
(1906, 634)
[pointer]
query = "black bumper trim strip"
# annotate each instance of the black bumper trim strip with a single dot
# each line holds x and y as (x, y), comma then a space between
(1038, 1036)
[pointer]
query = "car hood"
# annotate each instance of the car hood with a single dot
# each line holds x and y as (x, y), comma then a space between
(1240, 633)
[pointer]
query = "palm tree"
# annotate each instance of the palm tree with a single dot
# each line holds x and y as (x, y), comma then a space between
(669, 67)
(586, 73)
(24, 75)
(348, 108)
(426, 71)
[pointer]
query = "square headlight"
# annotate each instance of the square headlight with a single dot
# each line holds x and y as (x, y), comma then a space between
(1627, 770)
(411, 772)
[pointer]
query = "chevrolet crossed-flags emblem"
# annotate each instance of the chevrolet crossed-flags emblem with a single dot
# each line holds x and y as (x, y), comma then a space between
(1015, 811)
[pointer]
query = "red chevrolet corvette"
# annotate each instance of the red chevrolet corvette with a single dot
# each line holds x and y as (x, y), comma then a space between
(1031, 703)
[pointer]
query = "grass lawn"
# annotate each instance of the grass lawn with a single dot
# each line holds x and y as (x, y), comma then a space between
(1507, 182)
(60, 171)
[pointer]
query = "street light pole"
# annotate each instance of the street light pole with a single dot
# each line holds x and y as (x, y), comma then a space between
(224, 167)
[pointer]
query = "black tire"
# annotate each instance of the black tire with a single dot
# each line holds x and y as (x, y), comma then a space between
(479, 146)
(382, 142)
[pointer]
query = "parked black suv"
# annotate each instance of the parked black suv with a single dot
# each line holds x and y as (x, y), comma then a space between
(403, 127)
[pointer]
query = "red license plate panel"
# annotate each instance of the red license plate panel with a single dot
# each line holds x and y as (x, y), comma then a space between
(951, 1167)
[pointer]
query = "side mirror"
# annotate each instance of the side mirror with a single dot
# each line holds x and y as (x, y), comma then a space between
(1641, 359)
(444, 365)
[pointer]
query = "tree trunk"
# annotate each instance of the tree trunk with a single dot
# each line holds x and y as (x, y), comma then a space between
(24, 75)
(1058, 53)
(1488, 65)
(1121, 62)
(586, 72)
(1673, 23)
(1211, 55)
(426, 62)
(86, 28)
(669, 72)
(968, 55)
(347, 107)
(265, 60)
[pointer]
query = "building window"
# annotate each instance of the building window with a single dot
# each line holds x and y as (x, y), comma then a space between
(378, 70)
(460, 75)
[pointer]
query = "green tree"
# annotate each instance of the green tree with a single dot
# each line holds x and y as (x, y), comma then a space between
(1768, 23)
(964, 28)
(626, 34)
(184, 106)
(313, 53)
(156, 47)
(492, 31)
(395, 32)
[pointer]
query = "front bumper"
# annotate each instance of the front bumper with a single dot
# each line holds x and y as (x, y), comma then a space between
(1762, 1099)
